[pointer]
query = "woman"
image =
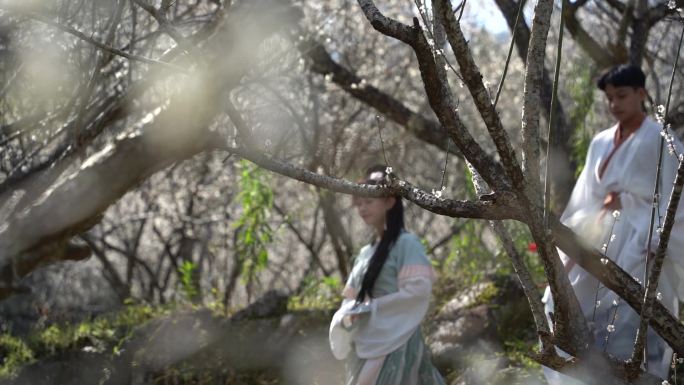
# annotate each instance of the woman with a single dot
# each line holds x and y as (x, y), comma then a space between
(377, 328)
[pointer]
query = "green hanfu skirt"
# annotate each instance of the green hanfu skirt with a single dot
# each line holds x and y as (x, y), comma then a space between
(408, 365)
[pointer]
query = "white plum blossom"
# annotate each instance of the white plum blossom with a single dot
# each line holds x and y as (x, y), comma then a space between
(438, 193)
(604, 261)
(659, 296)
(610, 328)
(660, 114)
(669, 139)
(376, 176)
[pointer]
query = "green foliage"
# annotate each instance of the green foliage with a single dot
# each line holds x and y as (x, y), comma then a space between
(469, 260)
(99, 333)
(476, 253)
(317, 293)
(188, 286)
(522, 239)
(188, 374)
(582, 93)
(519, 351)
(487, 296)
(104, 334)
(254, 231)
(14, 354)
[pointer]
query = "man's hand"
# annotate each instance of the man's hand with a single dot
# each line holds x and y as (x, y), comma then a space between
(612, 201)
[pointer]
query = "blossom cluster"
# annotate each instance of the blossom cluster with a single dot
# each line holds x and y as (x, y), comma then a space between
(666, 131)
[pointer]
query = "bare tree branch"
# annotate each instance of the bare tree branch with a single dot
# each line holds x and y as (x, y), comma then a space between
(420, 126)
(599, 54)
(94, 42)
(524, 276)
(439, 94)
(177, 133)
(562, 180)
(501, 208)
(617, 280)
(483, 101)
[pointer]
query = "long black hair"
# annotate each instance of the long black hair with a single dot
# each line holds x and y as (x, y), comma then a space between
(394, 224)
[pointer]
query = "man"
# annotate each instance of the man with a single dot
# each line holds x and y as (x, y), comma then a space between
(610, 207)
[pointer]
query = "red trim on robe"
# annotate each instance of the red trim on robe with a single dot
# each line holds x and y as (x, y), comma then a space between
(618, 140)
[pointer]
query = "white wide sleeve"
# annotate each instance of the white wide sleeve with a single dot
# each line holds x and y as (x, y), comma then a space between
(394, 317)
(341, 336)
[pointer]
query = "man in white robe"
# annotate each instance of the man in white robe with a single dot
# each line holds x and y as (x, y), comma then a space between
(610, 207)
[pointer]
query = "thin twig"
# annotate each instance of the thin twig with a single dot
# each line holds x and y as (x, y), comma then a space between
(92, 41)
(437, 51)
(165, 24)
(460, 15)
(524, 276)
(510, 50)
(611, 325)
(605, 252)
(446, 161)
(382, 142)
(640, 345)
(552, 116)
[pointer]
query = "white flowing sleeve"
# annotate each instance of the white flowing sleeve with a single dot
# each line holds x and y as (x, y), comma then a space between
(392, 320)
(394, 317)
(341, 332)
(584, 195)
(341, 335)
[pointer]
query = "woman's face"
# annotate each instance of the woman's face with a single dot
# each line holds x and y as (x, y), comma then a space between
(373, 210)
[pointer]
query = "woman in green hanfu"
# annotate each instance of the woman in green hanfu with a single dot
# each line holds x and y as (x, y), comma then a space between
(377, 327)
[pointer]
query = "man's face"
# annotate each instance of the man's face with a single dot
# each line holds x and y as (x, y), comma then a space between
(625, 102)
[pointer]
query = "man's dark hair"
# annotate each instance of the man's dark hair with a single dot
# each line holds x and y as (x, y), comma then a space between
(624, 75)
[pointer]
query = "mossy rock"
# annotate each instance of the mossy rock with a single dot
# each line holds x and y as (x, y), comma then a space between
(14, 353)
(477, 324)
